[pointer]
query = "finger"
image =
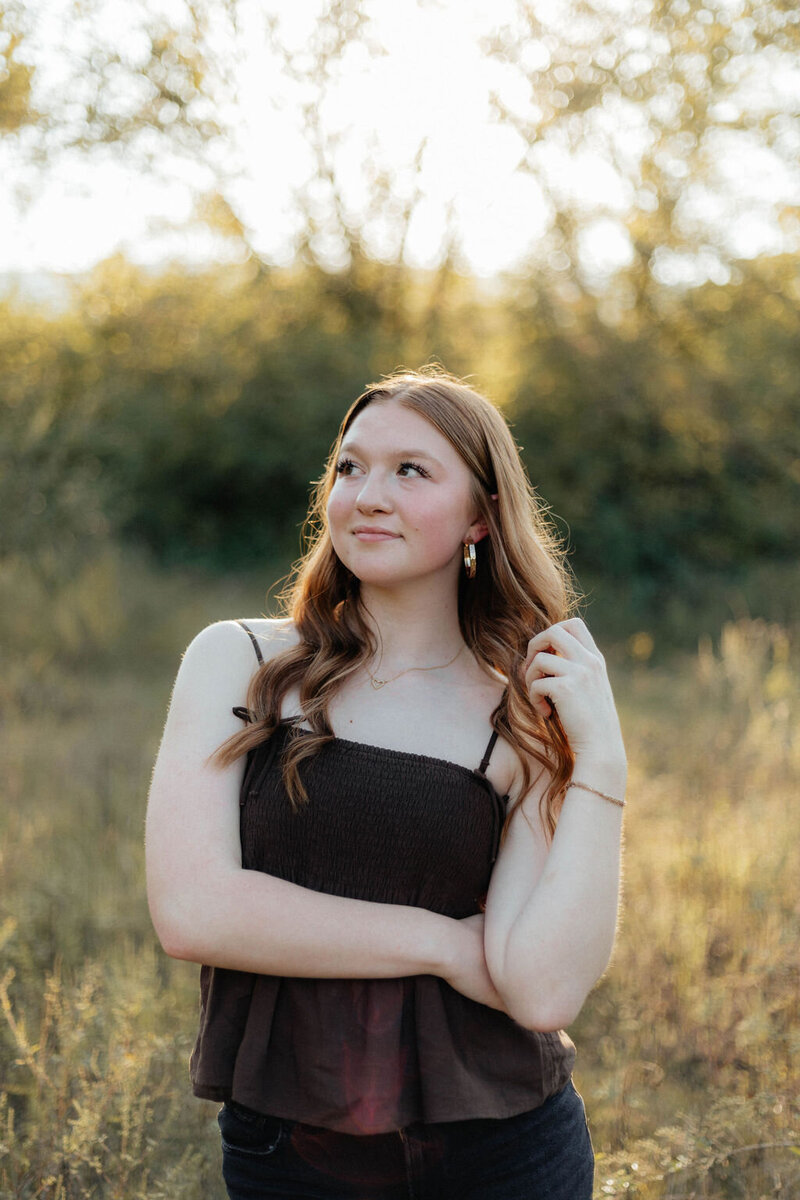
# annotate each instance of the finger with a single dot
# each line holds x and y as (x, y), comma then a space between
(567, 636)
(539, 698)
(547, 686)
(541, 705)
(578, 628)
(554, 682)
(548, 664)
(540, 702)
(557, 638)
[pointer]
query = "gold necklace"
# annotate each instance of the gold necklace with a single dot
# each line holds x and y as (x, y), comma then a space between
(379, 683)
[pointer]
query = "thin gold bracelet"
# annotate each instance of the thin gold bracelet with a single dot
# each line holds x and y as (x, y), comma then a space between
(603, 795)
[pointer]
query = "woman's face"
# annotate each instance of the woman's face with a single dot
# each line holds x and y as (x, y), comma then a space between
(400, 508)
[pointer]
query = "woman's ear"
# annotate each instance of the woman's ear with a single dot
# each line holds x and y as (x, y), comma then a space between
(477, 530)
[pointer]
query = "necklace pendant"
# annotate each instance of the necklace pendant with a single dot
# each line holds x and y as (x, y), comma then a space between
(377, 683)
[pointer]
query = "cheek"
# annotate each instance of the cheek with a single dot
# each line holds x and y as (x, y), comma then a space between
(337, 507)
(440, 531)
(334, 514)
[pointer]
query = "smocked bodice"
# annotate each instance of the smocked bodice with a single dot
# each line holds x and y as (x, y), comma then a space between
(382, 825)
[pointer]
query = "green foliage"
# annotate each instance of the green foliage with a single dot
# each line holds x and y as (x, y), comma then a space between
(190, 414)
(671, 449)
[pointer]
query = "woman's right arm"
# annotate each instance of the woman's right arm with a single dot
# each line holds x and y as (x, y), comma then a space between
(206, 908)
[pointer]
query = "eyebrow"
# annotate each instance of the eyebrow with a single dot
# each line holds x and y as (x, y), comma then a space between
(353, 448)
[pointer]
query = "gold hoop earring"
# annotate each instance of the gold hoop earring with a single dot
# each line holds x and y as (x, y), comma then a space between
(470, 559)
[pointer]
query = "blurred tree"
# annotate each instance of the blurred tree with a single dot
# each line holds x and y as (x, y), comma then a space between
(88, 78)
(215, 396)
(643, 123)
(52, 498)
(160, 86)
(192, 410)
(631, 117)
(16, 109)
(656, 413)
(671, 449)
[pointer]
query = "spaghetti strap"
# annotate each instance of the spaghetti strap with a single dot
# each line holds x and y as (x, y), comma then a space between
(242, 713)
(488, 754)
(256, 646)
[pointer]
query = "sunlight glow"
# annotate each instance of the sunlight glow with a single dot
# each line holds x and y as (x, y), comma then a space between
(419, 85)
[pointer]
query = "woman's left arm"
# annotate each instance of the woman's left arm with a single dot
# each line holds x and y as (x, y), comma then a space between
(551, 910)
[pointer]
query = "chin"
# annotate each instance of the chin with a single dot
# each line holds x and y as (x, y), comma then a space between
(379, 579)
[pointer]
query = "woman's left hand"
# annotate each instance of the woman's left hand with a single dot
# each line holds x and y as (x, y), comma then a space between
(565, 670)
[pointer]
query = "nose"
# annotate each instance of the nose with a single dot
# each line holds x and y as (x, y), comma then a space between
(372, 495)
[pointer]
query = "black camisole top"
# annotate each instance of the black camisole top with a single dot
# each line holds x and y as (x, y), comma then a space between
(370, 1055)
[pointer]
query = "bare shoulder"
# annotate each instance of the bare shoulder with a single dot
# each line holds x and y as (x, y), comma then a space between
(220, 660)
(228, 640)
(273, 634)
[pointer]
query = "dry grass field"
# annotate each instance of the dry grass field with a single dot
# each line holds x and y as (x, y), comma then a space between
(688, 1050)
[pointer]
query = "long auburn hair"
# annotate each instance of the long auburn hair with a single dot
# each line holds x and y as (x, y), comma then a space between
(522, 586)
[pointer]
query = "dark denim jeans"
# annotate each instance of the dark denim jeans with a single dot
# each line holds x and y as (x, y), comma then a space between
(545, 1153)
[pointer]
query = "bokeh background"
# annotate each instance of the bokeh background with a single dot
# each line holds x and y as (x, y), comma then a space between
(219, 221)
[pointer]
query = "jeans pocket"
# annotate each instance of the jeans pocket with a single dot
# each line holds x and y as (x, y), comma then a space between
(249, 1133)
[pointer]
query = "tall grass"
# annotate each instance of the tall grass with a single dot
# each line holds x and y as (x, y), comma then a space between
(689, 1049)
(691, 1043)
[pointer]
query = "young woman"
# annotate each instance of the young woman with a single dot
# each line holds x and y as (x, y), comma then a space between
(388, 825)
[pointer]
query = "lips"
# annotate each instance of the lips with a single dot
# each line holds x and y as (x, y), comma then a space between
(373, 533)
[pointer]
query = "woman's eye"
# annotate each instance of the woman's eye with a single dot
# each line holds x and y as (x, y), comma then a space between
(346, 466)
(413, 467)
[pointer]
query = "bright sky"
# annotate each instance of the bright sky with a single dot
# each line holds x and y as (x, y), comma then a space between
(433, 82)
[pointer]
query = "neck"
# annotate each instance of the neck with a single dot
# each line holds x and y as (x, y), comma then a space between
(411, 627)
